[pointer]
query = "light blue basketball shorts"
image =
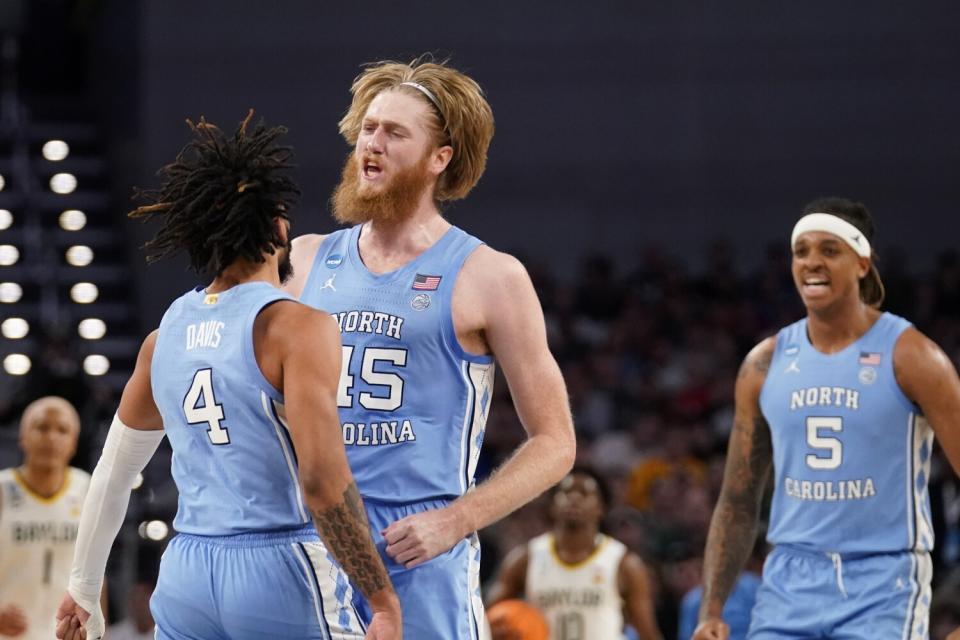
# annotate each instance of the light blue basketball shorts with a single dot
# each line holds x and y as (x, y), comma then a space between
(280, 584)
(806, 594)
(441, 598)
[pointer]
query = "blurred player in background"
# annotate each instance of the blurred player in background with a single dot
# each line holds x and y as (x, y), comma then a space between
(243, 382)
(40, 505)
(423, 309)
(582, 580)
(843, 405)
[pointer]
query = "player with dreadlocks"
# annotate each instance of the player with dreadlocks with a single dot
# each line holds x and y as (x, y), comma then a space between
(243, 381)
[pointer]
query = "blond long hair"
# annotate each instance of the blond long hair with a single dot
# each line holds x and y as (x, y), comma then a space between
(461, 116)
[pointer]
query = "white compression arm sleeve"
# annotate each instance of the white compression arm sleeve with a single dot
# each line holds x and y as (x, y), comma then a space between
(125, 453)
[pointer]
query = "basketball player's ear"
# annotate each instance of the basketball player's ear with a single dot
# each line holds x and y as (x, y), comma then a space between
(863, 268)
(283, 226)
(440, 158)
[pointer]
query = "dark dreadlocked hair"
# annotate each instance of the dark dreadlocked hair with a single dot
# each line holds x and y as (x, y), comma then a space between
(219, 198)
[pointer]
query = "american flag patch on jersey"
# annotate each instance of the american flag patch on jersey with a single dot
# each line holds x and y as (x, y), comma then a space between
(870, 359)
(426, 283)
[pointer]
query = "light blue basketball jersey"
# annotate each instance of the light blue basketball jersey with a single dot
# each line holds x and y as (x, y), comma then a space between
(413, 404)
(233, 461)
(851, 452)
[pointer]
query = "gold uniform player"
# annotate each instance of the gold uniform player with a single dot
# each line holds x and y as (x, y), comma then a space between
(581, 579)
(40, 504)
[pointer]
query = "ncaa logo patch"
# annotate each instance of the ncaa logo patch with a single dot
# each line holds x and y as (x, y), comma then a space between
(334, 261)
(420, 302)
(867, 375)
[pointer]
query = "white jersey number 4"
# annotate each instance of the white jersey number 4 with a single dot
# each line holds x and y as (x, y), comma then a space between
(200, 407)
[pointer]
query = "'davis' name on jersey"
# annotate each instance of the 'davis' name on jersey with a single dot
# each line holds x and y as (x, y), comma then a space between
(204, 335)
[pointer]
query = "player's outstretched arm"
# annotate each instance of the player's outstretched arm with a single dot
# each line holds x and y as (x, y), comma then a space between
(511, 581)
(634, 582)
(733, 528)
(307, 343)
(133, 438)
(929, 379)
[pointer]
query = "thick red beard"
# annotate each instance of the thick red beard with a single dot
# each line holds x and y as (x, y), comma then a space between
(397, 201)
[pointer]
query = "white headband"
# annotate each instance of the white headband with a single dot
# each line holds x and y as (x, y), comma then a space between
(422, 89)
(837, 226)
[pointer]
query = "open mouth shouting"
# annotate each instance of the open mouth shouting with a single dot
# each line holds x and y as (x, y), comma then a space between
(815, 285)
(370, 169)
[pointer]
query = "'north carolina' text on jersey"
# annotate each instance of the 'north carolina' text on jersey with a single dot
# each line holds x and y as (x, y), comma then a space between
(233, 461)
(413, 404)
(851, 452)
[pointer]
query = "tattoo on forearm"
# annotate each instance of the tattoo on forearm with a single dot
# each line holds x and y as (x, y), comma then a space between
(733, 528)
(346, 532)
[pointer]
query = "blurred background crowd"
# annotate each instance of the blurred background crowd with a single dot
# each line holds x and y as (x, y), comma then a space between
(648, 164)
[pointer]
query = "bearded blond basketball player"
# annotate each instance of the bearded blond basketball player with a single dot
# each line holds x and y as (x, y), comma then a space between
(40, 505)
(425, 310)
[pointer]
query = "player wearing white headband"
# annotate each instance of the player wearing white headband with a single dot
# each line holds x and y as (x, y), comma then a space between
(843, 405)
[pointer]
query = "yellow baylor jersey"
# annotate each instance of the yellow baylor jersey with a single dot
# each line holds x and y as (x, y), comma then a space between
(580, 601)
(37, 538)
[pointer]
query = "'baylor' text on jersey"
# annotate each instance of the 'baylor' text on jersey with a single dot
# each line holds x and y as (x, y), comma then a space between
(581, 601)
(37, 538)
(413, 404)
(851, 452)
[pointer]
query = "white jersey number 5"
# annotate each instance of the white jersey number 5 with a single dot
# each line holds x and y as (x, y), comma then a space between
(209, 412)
(829, 450)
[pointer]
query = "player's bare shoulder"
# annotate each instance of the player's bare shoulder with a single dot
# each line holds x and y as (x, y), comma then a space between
(756, 365)
(288, 323)
(303, 251)
(920, 365)
(490, 278)
(490, 283)
(488, 268)
(914, 350)
(145, 354)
